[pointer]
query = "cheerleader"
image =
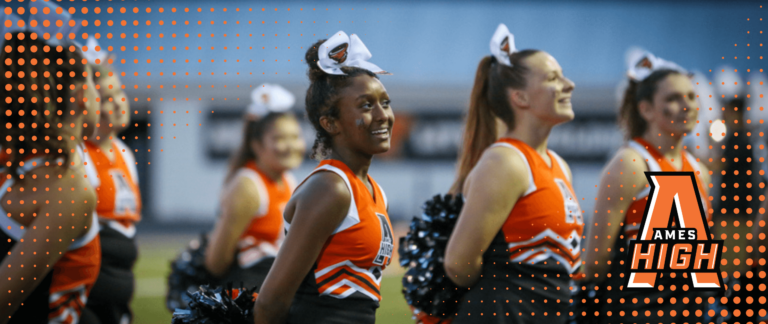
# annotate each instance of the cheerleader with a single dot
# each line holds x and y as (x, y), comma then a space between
(658, 110)
(516, 242)
(339, 238)
(249, 231)
(48, 235)
(118, 200)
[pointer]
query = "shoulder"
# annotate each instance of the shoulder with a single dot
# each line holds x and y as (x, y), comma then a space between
(327, 185)
(502, 167)
(626, 160)
(626, 170)
(242, 186)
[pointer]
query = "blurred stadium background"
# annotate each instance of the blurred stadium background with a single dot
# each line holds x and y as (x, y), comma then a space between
(189, 71)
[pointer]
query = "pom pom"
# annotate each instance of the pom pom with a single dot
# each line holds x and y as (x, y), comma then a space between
(427, 289)
(217, 306)
(583, 305)
(188, 272)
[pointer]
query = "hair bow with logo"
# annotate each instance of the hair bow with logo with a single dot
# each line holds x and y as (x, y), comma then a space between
(503, 44)
(269, 98)
(342, 50)
(642, 63)
(49, 21)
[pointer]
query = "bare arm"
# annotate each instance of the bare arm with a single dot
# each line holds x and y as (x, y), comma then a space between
(48, 237)
(492, 189)
(622, 180)
(240, 202)
(320, 205)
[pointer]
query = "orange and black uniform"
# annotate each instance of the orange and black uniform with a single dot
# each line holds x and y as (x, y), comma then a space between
(344, 283)
(666, 306)
(527, 269)
(118, 209)
(259, 243)
(63, 293)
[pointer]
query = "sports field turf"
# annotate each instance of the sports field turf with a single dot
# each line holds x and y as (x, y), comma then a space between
(152, 268)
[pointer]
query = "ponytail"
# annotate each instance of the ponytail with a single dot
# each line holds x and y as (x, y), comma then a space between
(633, 124)
(489, 100)
(480, 130)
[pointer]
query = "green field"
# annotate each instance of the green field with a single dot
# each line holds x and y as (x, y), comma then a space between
(152, 268)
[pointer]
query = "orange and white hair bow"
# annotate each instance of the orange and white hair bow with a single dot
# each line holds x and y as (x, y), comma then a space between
(503, 44)
(642, 63)
(342, 50)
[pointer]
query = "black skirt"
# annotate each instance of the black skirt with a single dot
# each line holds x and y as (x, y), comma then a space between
(517, 294)
(248, 277)
(110, 297)
(329, 310)
(36, 307)
(310, 307)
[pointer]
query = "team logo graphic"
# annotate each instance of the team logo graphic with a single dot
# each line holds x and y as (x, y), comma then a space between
(646, 63)
(674, 236)
(339, 53)
(505, 45)
(385, 248)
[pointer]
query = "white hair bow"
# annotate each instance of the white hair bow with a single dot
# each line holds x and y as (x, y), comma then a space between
(642, 63)
(342, 50)
(270, 98)
(45, 18)
(503, 44)
(93, 53)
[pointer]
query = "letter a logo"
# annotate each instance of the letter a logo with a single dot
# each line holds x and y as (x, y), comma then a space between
(661, 247)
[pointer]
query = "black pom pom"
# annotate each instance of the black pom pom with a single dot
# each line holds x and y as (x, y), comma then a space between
(217, 306)
(188, 272)
(422, 251)
(583, 305)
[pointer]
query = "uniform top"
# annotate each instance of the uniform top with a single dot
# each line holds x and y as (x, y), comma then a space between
(352, 258)
(546, 223)
(117, 187)
(265, 232)
(657, 162)
(74, 274)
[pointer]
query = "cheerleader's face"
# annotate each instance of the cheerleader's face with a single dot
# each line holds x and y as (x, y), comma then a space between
(115, 113)
(282, 146)
(365, 117)
(674, 107)
(548, 91)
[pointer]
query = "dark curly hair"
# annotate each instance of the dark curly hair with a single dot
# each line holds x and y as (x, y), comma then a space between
(323, 95)
(39, 84)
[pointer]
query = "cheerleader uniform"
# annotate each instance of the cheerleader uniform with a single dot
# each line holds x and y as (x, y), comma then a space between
(61, 296)
(656, 306)
(527, 269)
(118, 209)
(258, 245)
(344, 283)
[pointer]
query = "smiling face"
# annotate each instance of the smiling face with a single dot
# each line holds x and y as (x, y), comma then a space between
(365, 117)
(674, 107)
(548, 91)
(282, 146)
